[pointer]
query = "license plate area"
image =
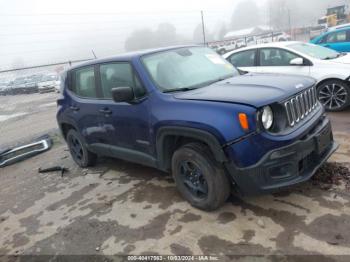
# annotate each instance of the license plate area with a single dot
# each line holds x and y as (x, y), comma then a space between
(323, 139)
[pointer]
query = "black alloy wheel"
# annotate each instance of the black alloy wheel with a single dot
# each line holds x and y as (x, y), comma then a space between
(193, 179)
(80, 154)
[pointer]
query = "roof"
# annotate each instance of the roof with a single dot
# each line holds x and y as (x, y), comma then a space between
(129, 55)
(343, 26)
(273, 44)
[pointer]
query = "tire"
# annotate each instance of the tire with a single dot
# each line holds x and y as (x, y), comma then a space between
(334, 95)
(205, 171)
(81, 156)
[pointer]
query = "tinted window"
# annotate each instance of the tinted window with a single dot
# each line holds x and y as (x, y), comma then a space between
(243, 59)
(119, 75)
(84, 82)
(275, 57)
(337, 37)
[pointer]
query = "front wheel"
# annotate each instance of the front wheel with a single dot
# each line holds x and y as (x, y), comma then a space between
(199, 178)
(334, 95)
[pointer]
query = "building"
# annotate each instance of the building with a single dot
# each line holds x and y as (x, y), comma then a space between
(258, 30)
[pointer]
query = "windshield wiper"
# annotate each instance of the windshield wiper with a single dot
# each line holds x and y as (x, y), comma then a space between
(330, 57)
(208, 83)
(178, 90)
(334, 57)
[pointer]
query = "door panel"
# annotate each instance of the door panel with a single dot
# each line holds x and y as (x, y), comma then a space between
(128, 123)
(83, 105)
(340, 47)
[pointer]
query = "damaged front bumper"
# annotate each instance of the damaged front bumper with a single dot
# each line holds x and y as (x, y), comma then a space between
(286, 166)
(11, 156)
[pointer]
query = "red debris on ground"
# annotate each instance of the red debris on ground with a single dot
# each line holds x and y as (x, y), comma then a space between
(332, 174)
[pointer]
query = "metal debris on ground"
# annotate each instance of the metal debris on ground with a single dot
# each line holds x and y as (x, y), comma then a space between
(332, 174)
(61, 169)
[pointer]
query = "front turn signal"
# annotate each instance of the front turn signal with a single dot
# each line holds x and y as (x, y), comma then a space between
(243, 120)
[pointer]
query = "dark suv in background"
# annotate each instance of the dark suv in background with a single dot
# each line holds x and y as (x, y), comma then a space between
(187, 111)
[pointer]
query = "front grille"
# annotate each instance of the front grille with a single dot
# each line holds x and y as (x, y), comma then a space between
(300, 106)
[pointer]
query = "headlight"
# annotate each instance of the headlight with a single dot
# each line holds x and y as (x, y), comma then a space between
(267, 117)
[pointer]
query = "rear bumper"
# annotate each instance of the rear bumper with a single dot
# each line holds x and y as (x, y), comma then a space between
(286, 166)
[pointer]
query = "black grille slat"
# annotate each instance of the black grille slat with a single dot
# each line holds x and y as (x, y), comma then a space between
(301, 105)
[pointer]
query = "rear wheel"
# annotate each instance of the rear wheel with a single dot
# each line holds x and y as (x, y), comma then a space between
(80, 154)
(199, 178)
(334, 95)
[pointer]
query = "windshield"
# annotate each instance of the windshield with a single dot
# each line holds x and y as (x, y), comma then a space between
(187, 68)
(315, 51)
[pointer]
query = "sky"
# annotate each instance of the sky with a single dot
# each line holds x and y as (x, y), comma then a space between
(36, 32)
(45, 31)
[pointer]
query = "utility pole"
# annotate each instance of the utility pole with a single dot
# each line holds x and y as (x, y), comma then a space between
(269, 7)
(203, 28)
(290, 24)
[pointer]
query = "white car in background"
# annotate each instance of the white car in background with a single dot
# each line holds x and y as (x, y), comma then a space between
(330, 68)
(49, 83)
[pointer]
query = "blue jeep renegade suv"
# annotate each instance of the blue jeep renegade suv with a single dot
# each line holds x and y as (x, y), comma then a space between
(187, 111)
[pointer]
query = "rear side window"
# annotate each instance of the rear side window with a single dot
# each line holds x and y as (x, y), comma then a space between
(119, 75)
(243, 59)
(84, 82)
(337, 37)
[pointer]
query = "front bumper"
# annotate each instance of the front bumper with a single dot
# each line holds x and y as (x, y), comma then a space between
(286, 166)
(46, 89)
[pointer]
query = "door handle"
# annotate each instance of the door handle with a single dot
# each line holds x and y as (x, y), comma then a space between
(74, 108)
(105, 111)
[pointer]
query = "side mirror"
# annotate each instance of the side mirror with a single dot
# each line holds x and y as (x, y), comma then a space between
(122, 94)
(297, 61)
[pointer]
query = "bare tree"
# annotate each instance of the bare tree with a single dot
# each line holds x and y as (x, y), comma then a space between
(246, 14)
(164, 35)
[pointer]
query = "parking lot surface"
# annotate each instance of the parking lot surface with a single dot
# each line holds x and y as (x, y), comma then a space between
(123, 208)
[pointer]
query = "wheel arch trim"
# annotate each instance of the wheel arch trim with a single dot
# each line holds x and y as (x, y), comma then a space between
(188, 132)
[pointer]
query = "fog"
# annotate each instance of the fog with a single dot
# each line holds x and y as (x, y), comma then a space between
(34, 32)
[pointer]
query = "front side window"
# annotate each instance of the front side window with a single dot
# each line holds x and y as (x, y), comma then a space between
(84, 82)
(243, 59)
(187, 68)
(337, 37)
(119, 75)
(276, 57)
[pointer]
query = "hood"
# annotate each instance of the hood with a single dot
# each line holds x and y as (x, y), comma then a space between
(252, 89)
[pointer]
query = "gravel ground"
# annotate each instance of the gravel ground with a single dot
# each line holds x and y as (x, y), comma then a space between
(119, 208)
